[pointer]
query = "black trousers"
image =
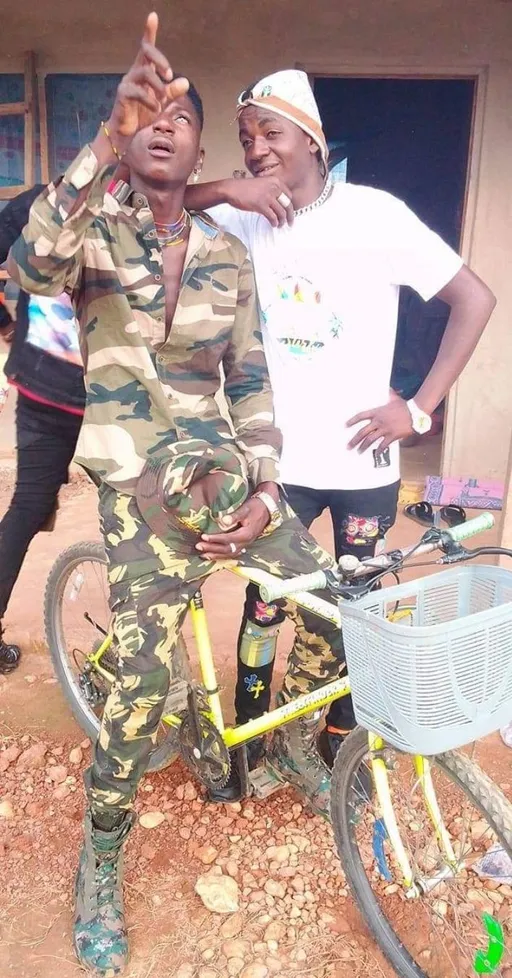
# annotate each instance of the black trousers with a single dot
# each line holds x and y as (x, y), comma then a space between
(360, 520)
(46, 440)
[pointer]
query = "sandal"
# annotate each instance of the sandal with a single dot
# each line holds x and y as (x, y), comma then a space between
(10, 656)
(453, 515)
(421, 513)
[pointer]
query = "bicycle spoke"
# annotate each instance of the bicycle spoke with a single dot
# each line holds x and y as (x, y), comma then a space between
(442, 927)
(84, 622)
(81, 622)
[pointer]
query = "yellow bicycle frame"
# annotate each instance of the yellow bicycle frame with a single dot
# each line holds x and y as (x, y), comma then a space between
(236, 736)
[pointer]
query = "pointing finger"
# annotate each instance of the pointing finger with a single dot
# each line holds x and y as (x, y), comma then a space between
(151, 28)
(148, 36)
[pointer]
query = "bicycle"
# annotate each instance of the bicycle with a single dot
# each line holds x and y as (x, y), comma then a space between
(407, 843)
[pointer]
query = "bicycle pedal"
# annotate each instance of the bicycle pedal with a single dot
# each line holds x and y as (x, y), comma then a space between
(263, 782)
(177, 697)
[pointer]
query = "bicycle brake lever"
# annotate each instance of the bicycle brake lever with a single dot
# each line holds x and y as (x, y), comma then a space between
(396, 557)
(454, 558)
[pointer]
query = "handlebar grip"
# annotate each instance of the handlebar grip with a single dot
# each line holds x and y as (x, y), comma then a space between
(470, 529)
(281, 589)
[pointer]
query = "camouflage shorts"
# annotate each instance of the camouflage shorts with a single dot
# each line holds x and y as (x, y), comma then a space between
(150, 588)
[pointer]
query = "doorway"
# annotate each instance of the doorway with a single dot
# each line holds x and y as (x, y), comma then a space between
(411, 137)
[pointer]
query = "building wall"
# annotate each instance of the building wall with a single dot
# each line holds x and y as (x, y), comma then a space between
(506, 519)
(227, 45)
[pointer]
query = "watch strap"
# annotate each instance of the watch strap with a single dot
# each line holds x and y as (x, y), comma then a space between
(421, 421)
(267, 501)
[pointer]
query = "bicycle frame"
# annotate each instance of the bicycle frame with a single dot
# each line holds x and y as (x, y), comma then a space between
(236, 736)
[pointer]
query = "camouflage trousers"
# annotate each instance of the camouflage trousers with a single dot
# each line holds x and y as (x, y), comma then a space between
(151, 585)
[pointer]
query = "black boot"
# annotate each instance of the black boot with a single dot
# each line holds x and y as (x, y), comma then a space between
(10, 656)
(232, 791)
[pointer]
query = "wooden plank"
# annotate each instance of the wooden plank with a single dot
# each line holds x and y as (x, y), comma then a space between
(27, 109)
(12, 108)
(30, 119)
(7, 193)
(43, 129)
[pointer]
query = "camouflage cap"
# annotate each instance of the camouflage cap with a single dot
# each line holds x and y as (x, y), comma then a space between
(191, 489)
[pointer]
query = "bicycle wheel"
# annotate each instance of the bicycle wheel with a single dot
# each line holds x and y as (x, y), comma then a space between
(439, 933)
(77, 618)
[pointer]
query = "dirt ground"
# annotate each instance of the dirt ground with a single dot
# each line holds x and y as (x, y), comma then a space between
(295, 916)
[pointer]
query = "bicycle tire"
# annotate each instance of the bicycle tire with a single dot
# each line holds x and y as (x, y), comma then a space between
(467, 775)
(167, 751)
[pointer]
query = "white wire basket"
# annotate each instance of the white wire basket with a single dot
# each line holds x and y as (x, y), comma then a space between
(441, 675)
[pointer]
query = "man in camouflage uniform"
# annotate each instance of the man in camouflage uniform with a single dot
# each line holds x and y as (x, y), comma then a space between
(163, 300)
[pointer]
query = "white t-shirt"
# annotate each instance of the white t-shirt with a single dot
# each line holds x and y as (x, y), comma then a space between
(328, 289)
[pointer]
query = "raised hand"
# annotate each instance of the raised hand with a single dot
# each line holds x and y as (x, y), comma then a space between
(145, 91)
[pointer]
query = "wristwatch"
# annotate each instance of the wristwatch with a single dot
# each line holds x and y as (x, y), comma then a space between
(274, 511)
(421, 422)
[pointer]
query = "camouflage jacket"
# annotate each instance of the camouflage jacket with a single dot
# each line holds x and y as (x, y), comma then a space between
(145, 392)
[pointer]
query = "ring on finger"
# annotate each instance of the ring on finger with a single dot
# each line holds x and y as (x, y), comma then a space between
(284, 199)
(232, 547)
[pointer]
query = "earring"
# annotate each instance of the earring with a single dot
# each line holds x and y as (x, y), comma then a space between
(196, 176)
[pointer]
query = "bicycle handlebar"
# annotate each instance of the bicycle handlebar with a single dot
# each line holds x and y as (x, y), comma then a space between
(318, 579)
(281, 589)
(470, 529)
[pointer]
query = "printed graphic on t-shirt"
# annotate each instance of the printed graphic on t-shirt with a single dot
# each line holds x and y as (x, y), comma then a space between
(52, 327)
(300, 320)
(381, 460)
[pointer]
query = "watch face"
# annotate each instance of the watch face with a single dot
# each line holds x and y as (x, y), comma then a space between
(422, 424)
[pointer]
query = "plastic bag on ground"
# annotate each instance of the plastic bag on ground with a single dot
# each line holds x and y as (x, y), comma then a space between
(495, 865)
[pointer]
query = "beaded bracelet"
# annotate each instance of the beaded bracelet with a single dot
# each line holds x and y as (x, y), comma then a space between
(114, 149)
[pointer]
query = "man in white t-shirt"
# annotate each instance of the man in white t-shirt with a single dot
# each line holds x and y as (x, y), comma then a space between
(329, 261)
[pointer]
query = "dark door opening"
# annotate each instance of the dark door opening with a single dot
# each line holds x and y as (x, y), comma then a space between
(412, 138)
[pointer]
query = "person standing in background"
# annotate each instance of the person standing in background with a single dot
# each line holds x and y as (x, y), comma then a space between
(329, 259)
(45, 366)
